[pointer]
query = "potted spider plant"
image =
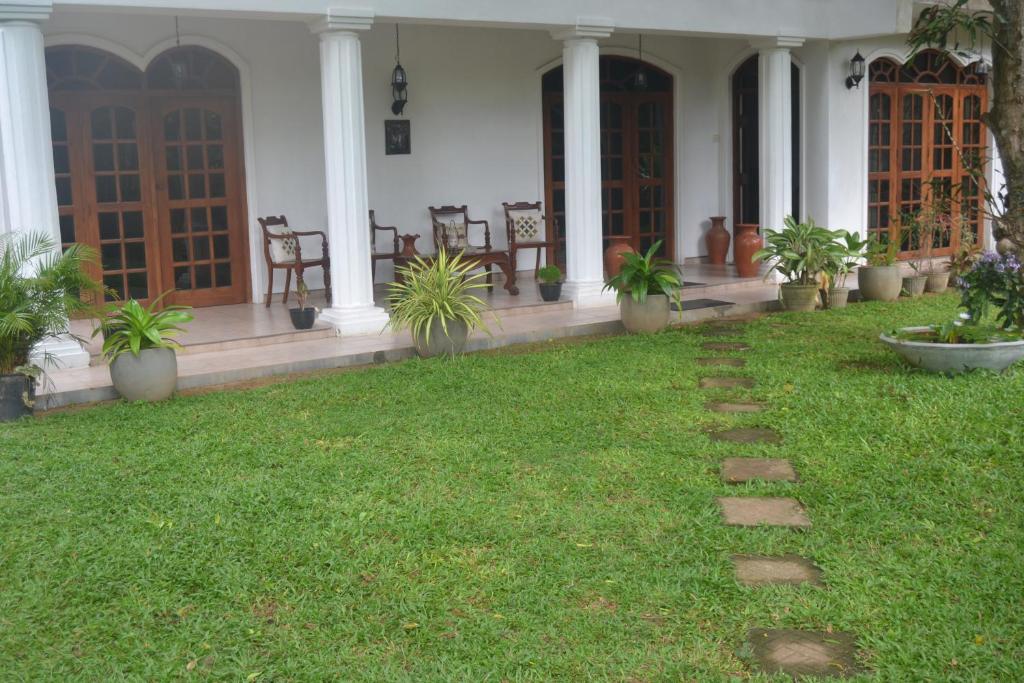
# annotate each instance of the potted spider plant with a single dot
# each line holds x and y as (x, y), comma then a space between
(40, 289)
(139, 345)
(550, 283)
(434, 300)
(303, 316)
(799, 252)
(645, 288)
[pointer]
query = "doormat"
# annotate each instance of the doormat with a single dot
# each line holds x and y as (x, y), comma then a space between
(702, 303)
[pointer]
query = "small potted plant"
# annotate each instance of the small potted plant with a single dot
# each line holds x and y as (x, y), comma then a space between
(843, 255)
(645, 287)
(303, 316)
(550, 283)
(799, 252)
(434, 300)
(40, 289)
(139, 345)
(917, 234)
(977, 339)
(881, 278)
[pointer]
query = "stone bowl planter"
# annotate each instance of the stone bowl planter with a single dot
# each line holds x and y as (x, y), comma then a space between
(796, 297)
(937, 283)
(17, 396)
(550, 291)
(838, 297)
(150, 376)
(914, 285)
(880, 283)
(951, 359)
(441, 344)
(650, 316)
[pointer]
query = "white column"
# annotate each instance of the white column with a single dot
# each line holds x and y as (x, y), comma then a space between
(28, 199)
(352, 309)
(583, 240)
(775, 130)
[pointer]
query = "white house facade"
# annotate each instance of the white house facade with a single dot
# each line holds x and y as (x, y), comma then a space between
(159, 131)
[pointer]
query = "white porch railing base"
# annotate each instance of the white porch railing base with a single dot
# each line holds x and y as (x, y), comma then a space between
(588, 294)
(355, 320)
(60, 353)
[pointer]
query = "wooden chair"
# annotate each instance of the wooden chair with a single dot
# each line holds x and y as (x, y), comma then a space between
(283, 251)
(451, 230)
(526, 226)
(378, 255)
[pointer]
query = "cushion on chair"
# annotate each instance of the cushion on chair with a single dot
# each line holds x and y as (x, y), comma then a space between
(281, 251)
(455, 230)
(528, 226)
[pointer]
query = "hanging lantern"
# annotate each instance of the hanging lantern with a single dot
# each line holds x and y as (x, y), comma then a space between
(856, 72)
(399, 81)
(640, 78)
(179, 69)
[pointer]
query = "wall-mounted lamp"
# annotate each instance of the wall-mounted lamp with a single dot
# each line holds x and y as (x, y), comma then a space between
(399, 81)
(981, 67)
(640, 78)
(856, 72)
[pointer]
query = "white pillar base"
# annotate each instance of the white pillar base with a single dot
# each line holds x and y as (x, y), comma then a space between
(588, 294)
(355, 320)
(60, 353)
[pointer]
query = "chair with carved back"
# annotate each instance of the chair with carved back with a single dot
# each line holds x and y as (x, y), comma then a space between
(384, 254)
(451, 225)
(282, 249)
(526, 226)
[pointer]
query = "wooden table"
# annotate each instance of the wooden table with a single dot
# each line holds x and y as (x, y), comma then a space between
(482, 257)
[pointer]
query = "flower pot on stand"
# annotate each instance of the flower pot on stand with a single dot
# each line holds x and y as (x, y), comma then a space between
(613, 261)
(747, 244)
(717, 240)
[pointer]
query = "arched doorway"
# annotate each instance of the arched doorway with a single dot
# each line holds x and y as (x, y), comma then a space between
(149, 171)
(926, 144)
(637, 159)
(746, 155)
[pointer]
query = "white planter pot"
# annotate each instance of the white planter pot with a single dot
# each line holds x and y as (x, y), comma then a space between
(955, 358)
(150, 376)
(650, 316)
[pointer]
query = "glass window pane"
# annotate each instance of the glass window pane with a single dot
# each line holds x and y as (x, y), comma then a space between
(218, 218)
(215, 156)
(223, 274)
(196, 186)
(193, 125)
(114, 283)
(178, 221)
(179, 250)
(135, 255)
(175, 187)
(200, 249)
(109, 229)
(172, 126)
(199, 219)
(221, 247)
(214, 127)
(64, 192)
(110, 255)
(61, 162)
(125, 120)
(217, 188)
(138, 286)
(103, 157)
(132, 221)
(102, 125)
(204, 277)
(106, 189)
(182, 278)
(195, 157)
(173, 158)
(58, 126)
(128, 156)
(67, 229)
(131, 190)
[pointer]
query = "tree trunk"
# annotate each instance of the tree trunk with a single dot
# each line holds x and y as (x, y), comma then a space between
(1006, 116)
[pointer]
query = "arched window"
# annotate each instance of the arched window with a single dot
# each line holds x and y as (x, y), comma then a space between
(925, 146)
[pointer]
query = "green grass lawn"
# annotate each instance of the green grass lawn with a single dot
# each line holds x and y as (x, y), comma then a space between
(534, 514)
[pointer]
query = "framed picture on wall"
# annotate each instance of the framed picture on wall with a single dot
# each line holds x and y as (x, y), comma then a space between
(397, 137)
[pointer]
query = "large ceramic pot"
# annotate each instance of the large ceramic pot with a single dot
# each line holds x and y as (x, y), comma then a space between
(441, 344)
(303, 319)
(799, 297)
(550, 291)
(838, 297)
(650, 316)
(613, 261)
(17, 396)
(717, 239)
(880, 283)
(743, 250)
(150, 376)
(937, 282)
(913, 286)
(955, 358)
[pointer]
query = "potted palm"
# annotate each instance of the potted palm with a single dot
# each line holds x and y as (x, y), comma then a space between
(434, 299)
(303, 316)
(881, 278)
(40, 289)
(645, 288)
(799, 252)
(550, 283)
(842, 254)
(139, 345)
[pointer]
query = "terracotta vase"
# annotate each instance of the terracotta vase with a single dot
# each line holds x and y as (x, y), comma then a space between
(409, 245)
(747, 243)
(613, 254)
(717, 239)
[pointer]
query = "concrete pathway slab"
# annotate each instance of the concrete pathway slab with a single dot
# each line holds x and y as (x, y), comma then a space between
(726, 346)
(722, 331)
(803, 653)
(747, 435)
(764, 570)
(727, 362)
(755, 511)
(739, 470)
(726, 382)
(733, 407)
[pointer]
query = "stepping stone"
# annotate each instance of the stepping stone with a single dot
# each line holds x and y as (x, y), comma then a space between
(722, 331)
(764, 511)
(726, 407)
(803, 653)
(763, 570)
(729, 362)
(747, 435)
(739, 470)
(726, 346)
(726, 382)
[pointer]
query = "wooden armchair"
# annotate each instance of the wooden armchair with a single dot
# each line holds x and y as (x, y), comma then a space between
(451, 230)
(283, 251)
(526, 226)
(378, 255)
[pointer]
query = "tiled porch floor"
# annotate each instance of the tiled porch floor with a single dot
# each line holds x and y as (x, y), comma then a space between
(243, 342)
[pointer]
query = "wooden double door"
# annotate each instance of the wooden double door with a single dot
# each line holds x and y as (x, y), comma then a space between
(154, 183)
(637, 164)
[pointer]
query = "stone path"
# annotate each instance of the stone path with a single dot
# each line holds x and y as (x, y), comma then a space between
(793, 652)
